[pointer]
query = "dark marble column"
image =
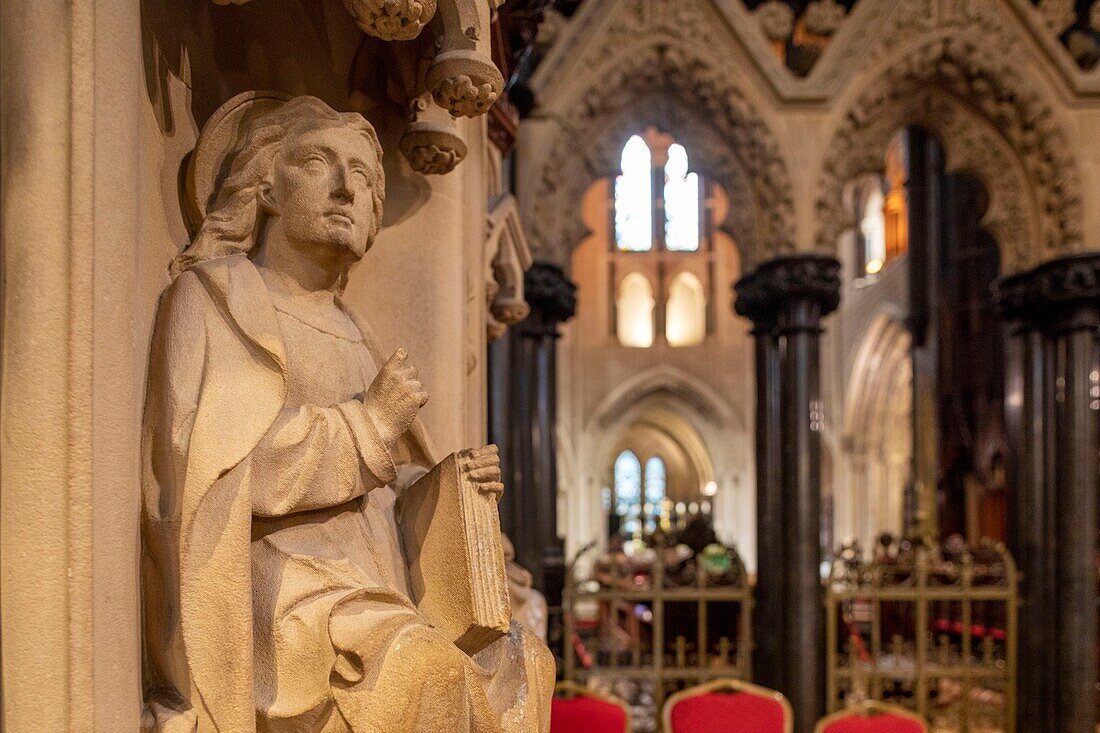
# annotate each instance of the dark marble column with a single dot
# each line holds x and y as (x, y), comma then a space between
(523, 419)
(760, 307)
(1056, 312)
(1030, 494)
(802, 290)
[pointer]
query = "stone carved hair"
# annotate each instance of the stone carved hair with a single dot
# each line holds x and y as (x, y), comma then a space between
(235, 220)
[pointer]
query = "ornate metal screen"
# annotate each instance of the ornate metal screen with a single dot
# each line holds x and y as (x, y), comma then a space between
(933, 630)
(655, 627)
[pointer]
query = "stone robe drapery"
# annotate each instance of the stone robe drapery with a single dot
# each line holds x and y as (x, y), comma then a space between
(252, 506)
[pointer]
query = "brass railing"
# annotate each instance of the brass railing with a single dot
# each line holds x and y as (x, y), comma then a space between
(931, 630)
(632, 605)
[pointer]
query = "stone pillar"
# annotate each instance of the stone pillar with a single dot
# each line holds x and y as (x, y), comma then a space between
(797, 291)
(523, 418)
(1054, 415)
(767, 658)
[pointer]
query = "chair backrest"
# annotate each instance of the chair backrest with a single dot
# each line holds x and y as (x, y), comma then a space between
(872, 717)
(576, 709)
(727, 706)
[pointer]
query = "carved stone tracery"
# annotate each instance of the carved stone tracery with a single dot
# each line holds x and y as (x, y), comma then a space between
(992, 125)
(674, 86)
(509, 258)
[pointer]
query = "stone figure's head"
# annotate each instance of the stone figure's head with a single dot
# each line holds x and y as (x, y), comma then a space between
(306, 168)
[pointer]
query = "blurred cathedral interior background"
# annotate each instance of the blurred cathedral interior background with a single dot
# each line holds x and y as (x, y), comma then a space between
(783, 314)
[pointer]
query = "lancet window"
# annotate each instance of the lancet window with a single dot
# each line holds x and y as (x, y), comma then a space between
(662, 250)
(882, 211)
(640, 495)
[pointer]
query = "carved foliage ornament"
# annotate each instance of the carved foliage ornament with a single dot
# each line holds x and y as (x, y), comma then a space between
(389, 20)
(1058, 15)
(824, 17)
(459, 77)
(992, 125)
(776, 20)
(430, 140)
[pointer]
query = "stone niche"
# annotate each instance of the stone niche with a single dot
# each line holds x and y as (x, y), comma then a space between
(106, 100)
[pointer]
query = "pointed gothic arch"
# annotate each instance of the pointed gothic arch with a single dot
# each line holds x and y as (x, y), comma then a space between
(678, 89)
(992, 125)
(877, 434)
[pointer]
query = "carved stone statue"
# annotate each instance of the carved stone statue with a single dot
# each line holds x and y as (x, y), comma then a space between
(277, 445)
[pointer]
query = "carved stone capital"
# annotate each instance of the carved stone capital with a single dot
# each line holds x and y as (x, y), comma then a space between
(1057, 295)
(551, 295)
(795, 291)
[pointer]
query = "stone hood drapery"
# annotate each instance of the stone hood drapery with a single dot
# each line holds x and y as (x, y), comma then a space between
(211, 398)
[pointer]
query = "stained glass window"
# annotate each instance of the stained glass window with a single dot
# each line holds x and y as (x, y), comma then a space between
(634, 198)
(655, 481)
(628, 490)
(681, 202)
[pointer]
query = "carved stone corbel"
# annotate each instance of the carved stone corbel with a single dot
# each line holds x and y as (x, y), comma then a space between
(509, 257)
(392, 20)
(430, 140)
(462, 79)
(449, 65)
(389, 20)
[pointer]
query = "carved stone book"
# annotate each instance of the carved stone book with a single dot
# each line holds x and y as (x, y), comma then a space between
(451, 531)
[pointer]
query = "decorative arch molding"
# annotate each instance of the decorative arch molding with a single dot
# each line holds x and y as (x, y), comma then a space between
(666, 426)
(992, 125)
(675, 89)
(882, 362)
(665, 381)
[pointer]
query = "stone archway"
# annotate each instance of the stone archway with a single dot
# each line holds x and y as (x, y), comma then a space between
(675, 89)
(992, 126)
(878, 434)
(712, 436)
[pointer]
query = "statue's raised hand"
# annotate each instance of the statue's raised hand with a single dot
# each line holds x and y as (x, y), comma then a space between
(481, 467)
(394, 398)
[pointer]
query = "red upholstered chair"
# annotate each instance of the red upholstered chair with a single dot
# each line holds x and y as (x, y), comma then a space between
(727, 706)
(576, 709)
(872, 717)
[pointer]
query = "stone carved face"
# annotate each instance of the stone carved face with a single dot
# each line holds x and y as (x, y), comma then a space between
(319, 191)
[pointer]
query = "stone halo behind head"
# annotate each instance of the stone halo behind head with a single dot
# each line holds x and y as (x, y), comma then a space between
(209, 163)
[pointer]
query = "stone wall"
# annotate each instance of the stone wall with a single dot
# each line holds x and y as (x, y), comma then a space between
(102, 100)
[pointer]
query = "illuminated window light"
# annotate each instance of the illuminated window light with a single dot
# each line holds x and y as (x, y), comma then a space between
(635, 311)
(634, 198)
(686, 312)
